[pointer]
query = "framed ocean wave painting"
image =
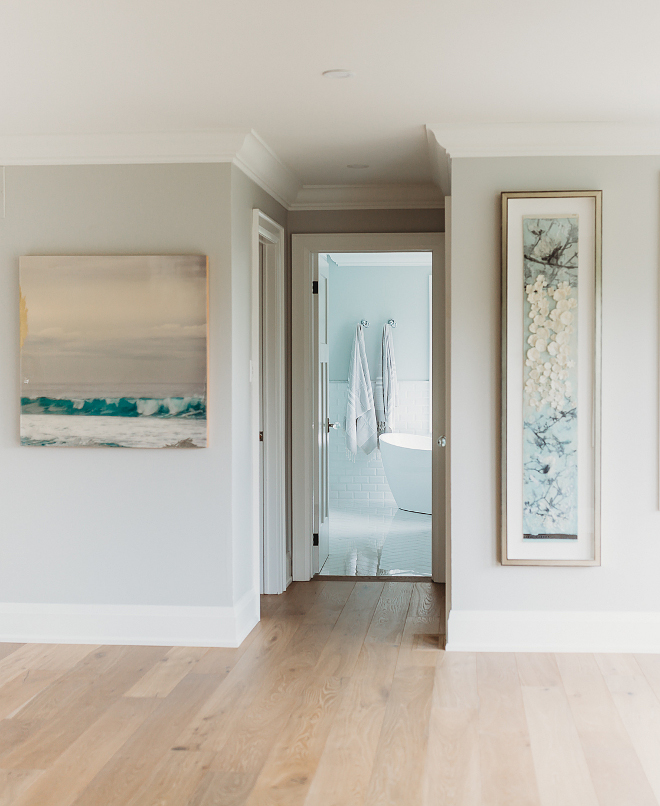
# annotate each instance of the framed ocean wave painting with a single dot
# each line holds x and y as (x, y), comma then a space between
(114, 351)
(551, 384)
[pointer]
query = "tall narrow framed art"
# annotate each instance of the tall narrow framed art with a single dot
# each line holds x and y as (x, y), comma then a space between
(551, 378)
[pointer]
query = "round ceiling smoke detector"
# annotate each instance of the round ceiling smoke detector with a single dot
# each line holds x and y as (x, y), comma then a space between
(358, 165)
(338, 74)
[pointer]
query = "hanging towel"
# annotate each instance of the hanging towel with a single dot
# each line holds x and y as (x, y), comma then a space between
(361, 429)
(387, 388)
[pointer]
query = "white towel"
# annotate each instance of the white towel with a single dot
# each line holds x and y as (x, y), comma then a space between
(361, 429)
(387, 388)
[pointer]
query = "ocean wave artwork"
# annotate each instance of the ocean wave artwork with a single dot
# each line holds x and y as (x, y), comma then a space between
(550, 469)
(114, 351)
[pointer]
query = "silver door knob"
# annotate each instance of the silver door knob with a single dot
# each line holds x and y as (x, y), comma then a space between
(442, 442)
(336, 426)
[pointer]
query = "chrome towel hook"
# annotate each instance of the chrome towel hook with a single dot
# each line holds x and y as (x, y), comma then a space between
(364, 323)
(391, 322)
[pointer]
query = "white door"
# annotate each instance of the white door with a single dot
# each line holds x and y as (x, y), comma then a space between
(321, 416)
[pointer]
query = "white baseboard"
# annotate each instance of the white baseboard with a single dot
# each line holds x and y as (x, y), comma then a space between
(147, 625)
(553, 631)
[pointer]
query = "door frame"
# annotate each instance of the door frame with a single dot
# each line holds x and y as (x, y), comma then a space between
(304, 252)
(269, 396)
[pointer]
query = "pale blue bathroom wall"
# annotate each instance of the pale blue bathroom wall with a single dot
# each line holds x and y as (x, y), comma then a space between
(378, 294)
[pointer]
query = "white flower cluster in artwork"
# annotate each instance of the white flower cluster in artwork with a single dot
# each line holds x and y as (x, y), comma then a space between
(548, 356)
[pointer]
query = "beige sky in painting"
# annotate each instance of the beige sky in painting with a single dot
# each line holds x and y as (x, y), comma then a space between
(131, 322)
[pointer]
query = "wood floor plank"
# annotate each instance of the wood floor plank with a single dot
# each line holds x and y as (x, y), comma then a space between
(223, 789)
(83, 759)
(14, 782)
(451, 760)
(174, 780)
(561, 769)
(16, 693)
(639, 709)
(6, 648)
(245, 736)
(538, 669)
(123, 777)
(85, 697)
(650, 666)
(168, 672)
(615, 769)
(61, 657)
(207, 728)
(344, 645)
(353, 739)
(397, 774)
(21, 660)
(505, 758)
(425, 618)
(296, 640)
(287, 774)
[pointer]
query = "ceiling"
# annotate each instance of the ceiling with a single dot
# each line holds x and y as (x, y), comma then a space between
(162, 66)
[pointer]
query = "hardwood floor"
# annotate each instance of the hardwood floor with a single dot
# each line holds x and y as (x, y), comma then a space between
(341, 696)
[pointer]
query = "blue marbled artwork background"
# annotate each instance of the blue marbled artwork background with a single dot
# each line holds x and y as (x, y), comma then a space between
(550, 437)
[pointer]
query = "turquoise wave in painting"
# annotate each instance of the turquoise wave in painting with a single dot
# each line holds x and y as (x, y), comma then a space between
(169, 407)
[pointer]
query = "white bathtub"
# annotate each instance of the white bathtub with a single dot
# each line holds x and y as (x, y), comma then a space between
(407, 462)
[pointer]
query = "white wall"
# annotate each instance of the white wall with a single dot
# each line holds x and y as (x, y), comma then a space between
(104, 528)
(378, 294)
(627, 582)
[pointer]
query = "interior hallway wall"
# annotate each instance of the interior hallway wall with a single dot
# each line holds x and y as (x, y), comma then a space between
(133, 527)
(303, 222)
(628, 578)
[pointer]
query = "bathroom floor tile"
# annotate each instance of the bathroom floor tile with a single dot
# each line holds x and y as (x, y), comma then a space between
(376, 540)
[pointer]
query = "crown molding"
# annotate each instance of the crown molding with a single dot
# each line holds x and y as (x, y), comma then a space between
(264, 167)
(243, 148)
(549, 140)
(439, 162)
(402, 196)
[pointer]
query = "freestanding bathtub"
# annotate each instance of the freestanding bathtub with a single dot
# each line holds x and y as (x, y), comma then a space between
(407, 462)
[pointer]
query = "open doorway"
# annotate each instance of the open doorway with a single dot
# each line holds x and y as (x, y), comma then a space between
(317, 404)
(379, 329)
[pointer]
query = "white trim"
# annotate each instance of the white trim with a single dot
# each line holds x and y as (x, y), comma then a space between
(148, 625)
(304, 249)
(553, 631)
(548, 140)
(268, 305)
(369, 197)
(264, 167)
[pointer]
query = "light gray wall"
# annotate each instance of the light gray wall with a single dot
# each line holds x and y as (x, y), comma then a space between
(95, 526)
(378, 294)
(628, 578)
(311, 221)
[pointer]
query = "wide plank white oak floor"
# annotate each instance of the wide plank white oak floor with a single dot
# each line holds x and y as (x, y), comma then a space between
(341, 696)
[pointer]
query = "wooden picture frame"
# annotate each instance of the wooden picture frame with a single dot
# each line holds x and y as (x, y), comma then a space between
(551, 377)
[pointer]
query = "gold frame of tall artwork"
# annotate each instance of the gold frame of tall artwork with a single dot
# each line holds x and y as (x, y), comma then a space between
(567, 195)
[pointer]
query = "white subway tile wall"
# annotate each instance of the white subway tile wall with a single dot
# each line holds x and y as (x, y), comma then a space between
(363, 479)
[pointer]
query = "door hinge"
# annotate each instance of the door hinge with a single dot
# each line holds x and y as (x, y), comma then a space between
(315, 286)
(315, 539)
(261, 436)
